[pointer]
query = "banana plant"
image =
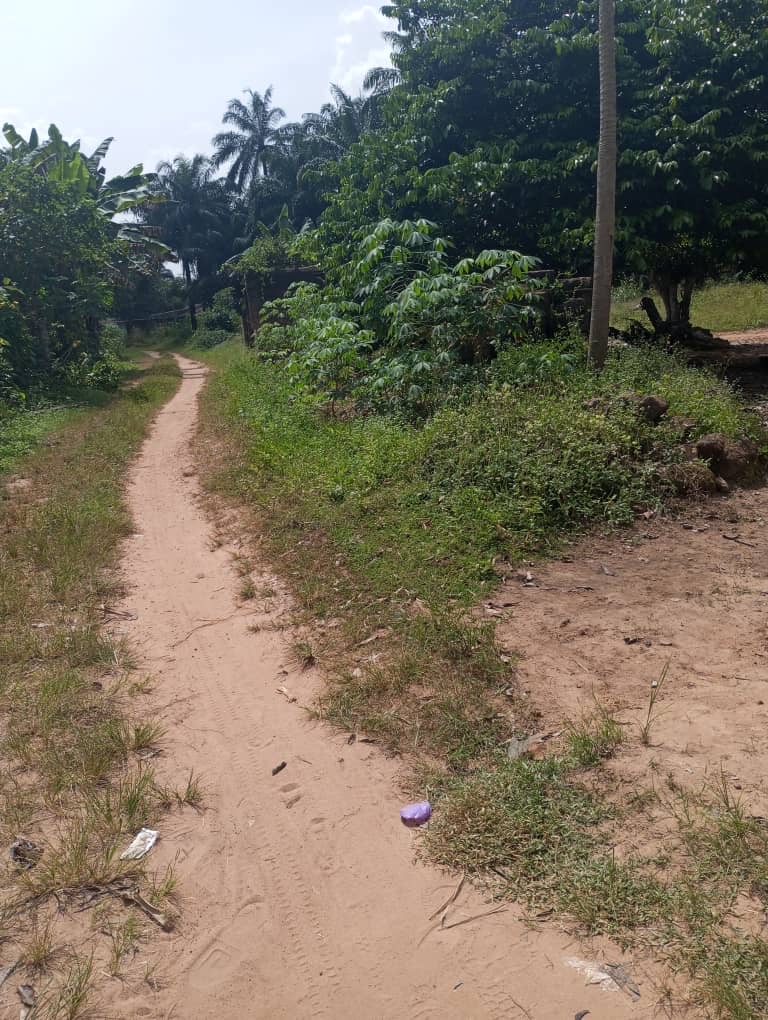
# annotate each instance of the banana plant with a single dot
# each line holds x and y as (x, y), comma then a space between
(63, 161)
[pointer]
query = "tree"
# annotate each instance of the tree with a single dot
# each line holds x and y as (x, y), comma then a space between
(57, 267)
(605, 218)
(191, 219)
(250, 145)
(694, 187)
(343, 122)
(62, 161)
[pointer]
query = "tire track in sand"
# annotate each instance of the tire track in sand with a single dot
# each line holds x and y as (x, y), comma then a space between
(300, 895)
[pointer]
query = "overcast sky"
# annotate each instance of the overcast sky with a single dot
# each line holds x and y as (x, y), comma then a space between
(158, 75)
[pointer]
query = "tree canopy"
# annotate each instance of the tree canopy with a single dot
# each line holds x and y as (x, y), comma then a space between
(487, 126)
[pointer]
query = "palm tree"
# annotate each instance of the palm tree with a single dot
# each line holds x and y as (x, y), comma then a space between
(192, 217)
(605, 217)
(249, 145)
(343, 122)
(381, 80)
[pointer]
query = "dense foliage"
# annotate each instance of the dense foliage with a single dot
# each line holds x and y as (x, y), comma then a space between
(56, 253)
(63, 251)
(403, 325)
(488, 125)
(494, 134)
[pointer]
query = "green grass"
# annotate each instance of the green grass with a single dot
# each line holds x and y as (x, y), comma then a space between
(510, 474)
(594, 737)
(720, 307)
(543, 837)
(22, 431)
(397, 532)
(70, 780)
(25, 428)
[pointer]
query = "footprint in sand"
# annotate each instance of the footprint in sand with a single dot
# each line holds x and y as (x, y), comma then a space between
(292, 794)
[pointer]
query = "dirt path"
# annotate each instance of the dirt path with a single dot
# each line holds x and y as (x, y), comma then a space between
(301, 896)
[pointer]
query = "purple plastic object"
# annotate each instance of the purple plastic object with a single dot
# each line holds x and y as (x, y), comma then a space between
(416, 815)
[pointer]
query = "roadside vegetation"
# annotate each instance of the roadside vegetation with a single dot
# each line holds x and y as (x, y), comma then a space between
(399, 530)
(77, 784)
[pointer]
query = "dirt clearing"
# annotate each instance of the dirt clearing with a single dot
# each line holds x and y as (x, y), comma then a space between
(300, 894)
(690, 595)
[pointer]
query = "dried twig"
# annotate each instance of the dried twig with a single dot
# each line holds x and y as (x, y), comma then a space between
(475, 917)
(451, 899)
(741, 541)
(522, 1009)
(120, 614)
(201, 626)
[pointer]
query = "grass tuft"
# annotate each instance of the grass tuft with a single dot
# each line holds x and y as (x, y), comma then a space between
(39, 948)
(593, 738)
(656, 689)
(68, 1001)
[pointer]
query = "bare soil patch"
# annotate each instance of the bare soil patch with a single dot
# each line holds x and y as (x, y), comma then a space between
(689, 595)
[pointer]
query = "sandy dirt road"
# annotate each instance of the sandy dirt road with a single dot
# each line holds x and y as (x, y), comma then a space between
(301, 897)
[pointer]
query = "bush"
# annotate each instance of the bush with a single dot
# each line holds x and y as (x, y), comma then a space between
(512, 470)
(222, 316)
(217, 323)
(102, 370)
(207, 338)
(402, 329)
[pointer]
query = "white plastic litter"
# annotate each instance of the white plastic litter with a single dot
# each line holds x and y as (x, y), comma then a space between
(141, 845)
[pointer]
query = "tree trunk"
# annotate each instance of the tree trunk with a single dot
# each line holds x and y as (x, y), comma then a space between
(663, 288)
(649, 307)
(674, 306)
(605, 216)
(685, 302)
(187, 270)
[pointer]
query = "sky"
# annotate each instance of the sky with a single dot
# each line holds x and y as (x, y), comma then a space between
(158, 75)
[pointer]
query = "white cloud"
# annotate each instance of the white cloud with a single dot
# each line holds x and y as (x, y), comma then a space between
(360, 48)
(367, 11)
